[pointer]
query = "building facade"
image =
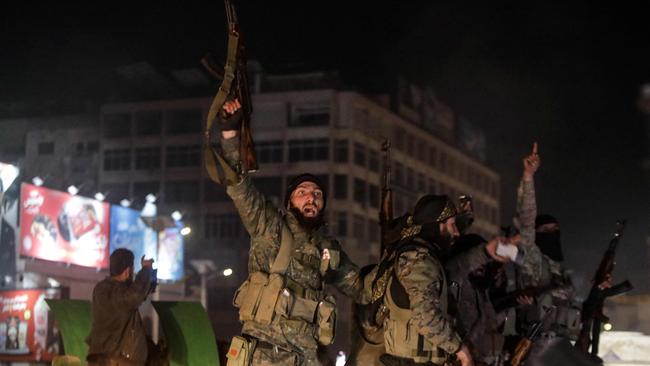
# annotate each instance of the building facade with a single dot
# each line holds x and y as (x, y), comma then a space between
(155, 147)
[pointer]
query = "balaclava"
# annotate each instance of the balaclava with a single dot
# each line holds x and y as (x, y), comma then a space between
(549, 242)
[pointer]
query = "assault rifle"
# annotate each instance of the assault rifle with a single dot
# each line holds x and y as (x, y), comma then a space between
(592, 308)
(386, 210)
(523, 347)
(369, 337)
(509, 300)
(234, 85)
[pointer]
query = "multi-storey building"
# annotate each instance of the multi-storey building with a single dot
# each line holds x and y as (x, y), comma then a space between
(155, 147)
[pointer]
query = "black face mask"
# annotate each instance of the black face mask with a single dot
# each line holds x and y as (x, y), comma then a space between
(549, 244)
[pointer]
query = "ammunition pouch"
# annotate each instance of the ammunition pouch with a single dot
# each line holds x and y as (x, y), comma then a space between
(326, 321)
(567, 321)
(240, 351)
(264, 298)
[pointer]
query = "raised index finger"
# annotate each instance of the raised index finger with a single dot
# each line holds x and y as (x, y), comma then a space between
(535, 148)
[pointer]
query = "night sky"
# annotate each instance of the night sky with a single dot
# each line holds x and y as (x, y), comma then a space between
(564, 75)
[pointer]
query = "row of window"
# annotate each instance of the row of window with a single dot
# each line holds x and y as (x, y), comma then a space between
(80, 148)
(190, 121)
(150, 158)
(182, 191)
(229, 226)
(403, 176)
(431, 155)
(150, 123)
(367, 195)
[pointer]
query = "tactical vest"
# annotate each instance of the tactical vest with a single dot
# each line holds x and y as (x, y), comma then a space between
(564, 320)
(287, 307)
(401, 336)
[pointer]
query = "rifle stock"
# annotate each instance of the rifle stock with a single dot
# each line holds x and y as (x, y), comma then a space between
(523, 347)
(525, 344)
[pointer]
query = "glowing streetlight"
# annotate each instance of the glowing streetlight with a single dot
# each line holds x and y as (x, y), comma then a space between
(186, 231)
(607, 327)
(73, 190)
(38, 181)
(227, 272)
(99, 196)
(151, 198)
(177, 215)
(125, 203)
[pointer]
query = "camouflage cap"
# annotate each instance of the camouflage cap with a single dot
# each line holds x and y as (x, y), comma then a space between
(433, 208)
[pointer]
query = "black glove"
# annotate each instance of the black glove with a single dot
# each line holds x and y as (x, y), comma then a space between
(229, 122)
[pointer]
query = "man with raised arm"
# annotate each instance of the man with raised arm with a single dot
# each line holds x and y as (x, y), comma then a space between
(283, 304)
(542, 266)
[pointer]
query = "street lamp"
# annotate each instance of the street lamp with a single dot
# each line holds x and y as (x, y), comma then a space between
(73, 190)
(186, 231)
(125, 203)
(38, 181)
(177, 215)
(99, 196)
(204, 267)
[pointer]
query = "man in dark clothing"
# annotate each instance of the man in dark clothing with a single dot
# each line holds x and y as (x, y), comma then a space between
(117, 336)
(473, 267)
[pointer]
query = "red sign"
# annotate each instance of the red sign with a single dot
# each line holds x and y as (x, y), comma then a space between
(27, 330)
(59, 227)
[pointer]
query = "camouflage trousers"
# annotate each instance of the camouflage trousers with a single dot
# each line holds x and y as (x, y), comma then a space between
(267, 355)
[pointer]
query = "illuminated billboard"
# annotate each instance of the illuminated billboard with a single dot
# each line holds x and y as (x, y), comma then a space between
(57, 226)
(8, 173)
(129, 231)
(170, 254)
(28, 331)
(9, 194)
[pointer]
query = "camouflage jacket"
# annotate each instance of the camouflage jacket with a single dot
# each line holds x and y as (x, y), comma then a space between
(306, 269)
(423, 278)
(478, 323)
(537, 269)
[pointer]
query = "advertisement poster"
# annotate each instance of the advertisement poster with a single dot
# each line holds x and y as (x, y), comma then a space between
(9, 194)
(27, 330)
(8, 173)
(129, 231)
(170, 254)
(59, 227)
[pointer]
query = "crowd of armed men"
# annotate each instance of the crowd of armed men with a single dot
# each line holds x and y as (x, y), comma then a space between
(438, 296)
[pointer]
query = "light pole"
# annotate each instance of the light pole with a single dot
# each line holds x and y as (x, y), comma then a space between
(204, 267)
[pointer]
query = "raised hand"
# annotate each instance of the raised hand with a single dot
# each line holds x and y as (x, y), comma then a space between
(531, 163)
(231, 106)
(146, 262)
(229, 123)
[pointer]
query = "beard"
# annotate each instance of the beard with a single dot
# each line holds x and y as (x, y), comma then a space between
(443, 240)
(308, 223)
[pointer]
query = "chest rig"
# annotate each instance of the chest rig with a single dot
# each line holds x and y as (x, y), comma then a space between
(288, 304)
(401, 336)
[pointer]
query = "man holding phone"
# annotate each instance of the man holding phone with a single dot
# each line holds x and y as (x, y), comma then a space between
(117, 335)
